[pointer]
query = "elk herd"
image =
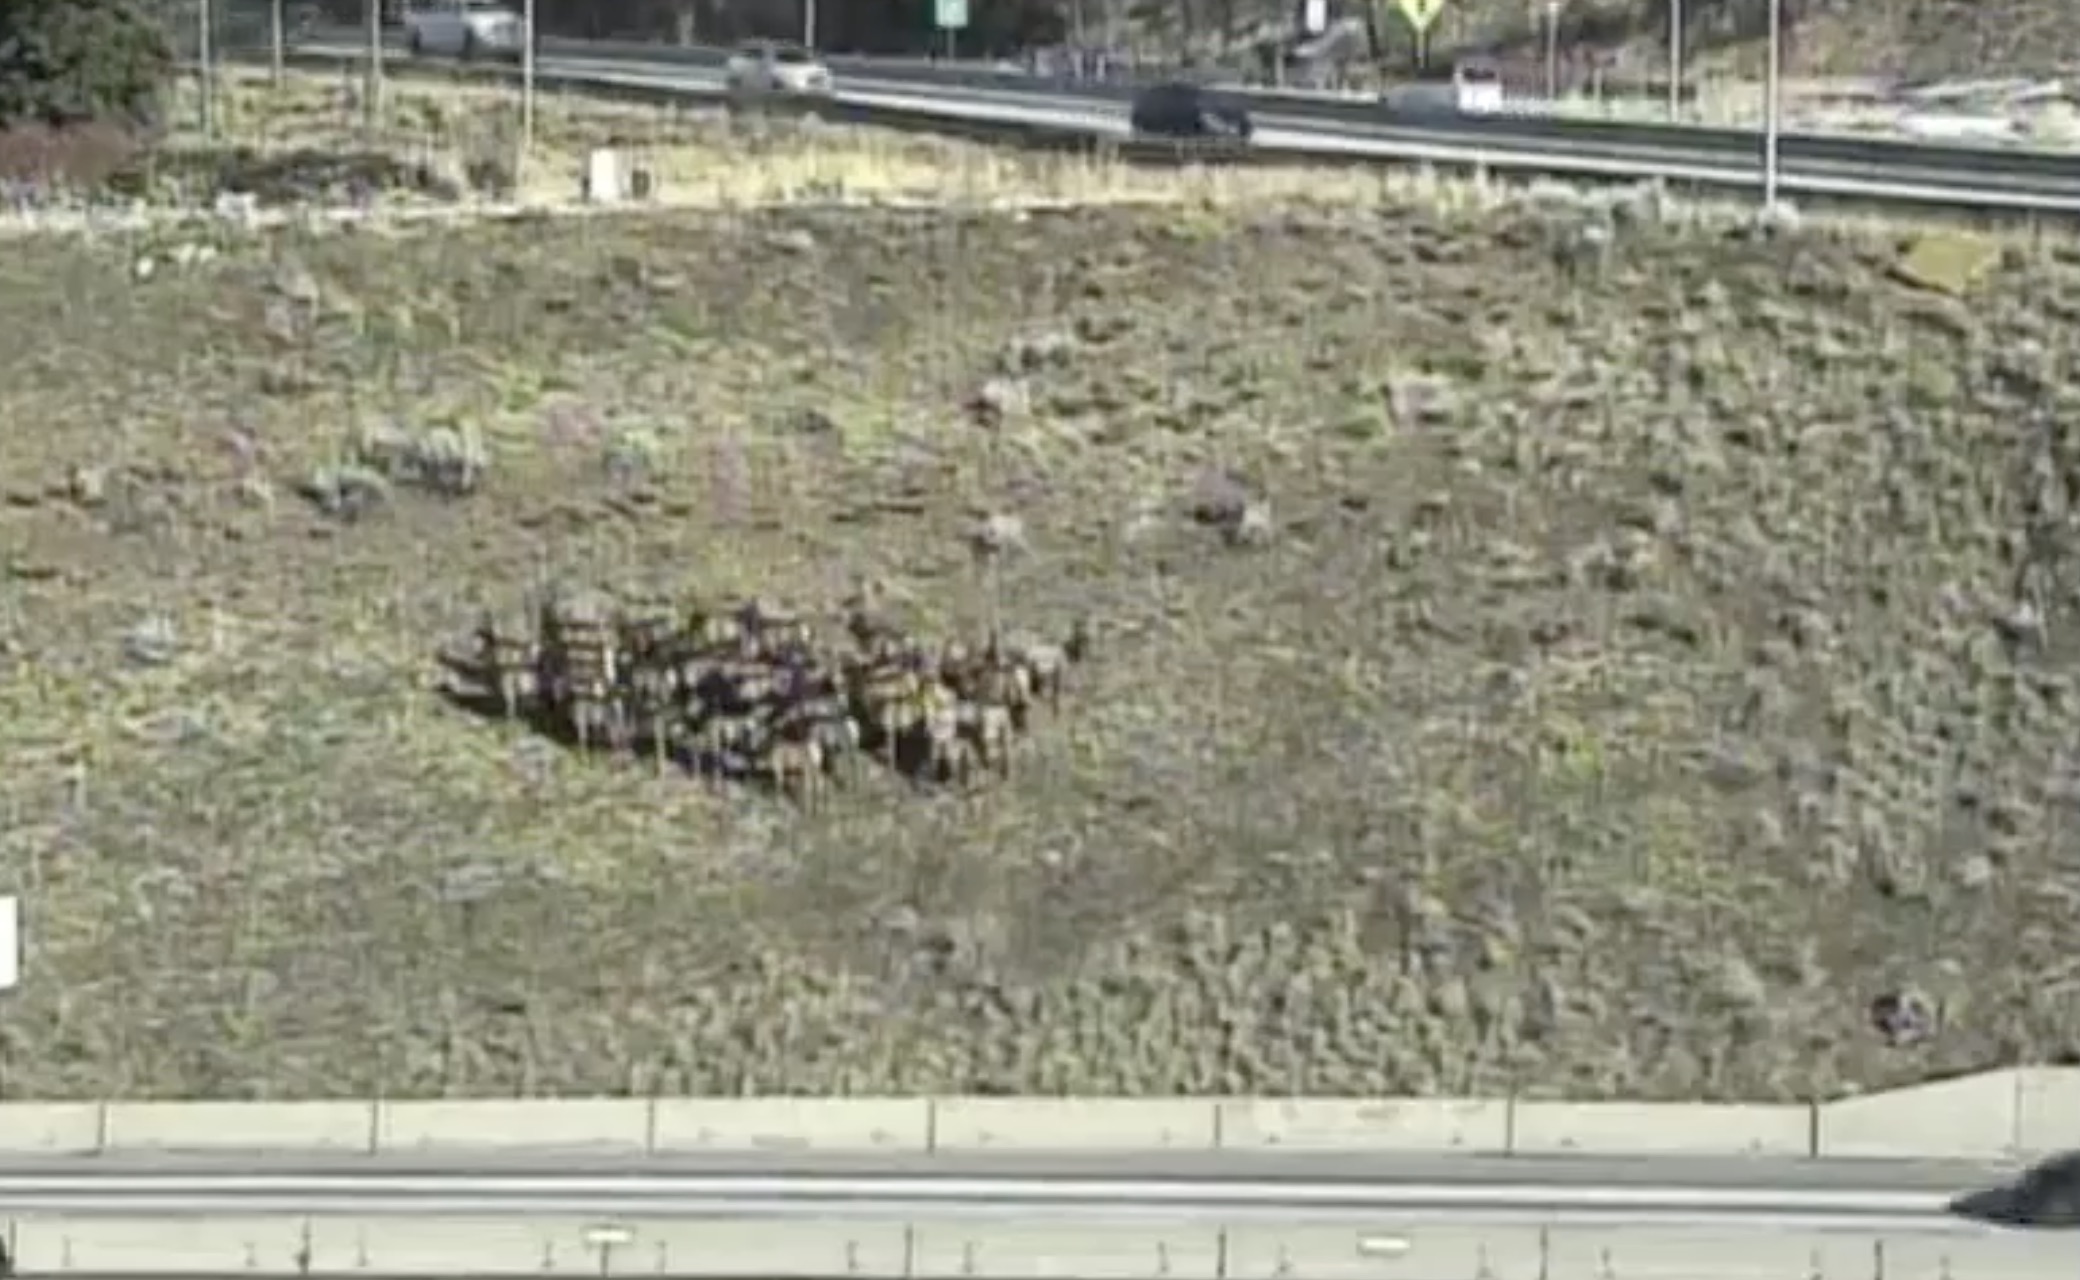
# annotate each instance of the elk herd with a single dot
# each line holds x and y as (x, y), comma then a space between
(752, 690)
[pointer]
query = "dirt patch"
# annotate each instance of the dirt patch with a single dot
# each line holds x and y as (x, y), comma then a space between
(1647, 659)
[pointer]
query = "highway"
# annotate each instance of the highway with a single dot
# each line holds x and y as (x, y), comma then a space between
(2016, 181)
(983, 1216)
(1224, 1187)
(1005, 1188)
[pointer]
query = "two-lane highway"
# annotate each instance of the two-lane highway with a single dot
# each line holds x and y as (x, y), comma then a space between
(2016, 181)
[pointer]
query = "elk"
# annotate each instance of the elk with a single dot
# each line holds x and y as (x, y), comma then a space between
(840, 741)
(507, 661)
(797, 767)
(729, 743)
(989, 730)
(584, 670)
(938, 717)
(651, 700)
(1047, 665)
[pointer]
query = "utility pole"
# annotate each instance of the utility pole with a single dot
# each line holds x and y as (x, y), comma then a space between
(372, 96)
(277, 40)
(1552, 51)
(207, 54)
(527, 30)
(809, 24)
(1675, 60)
(1773, 92)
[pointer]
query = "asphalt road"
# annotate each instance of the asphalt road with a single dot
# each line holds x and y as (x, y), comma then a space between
(1870, 171)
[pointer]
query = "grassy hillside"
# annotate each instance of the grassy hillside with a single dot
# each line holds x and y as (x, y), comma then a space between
(1654, 659)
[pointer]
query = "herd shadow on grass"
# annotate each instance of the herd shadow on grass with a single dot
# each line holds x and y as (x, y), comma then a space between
(751, 693)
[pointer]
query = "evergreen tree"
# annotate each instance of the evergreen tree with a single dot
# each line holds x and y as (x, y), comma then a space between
(65, 62)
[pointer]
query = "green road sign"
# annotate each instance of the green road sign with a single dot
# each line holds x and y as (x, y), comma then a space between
(1420, 13)
(951, 15)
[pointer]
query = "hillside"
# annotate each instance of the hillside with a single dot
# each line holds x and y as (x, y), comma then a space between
(1914, 38)
(1653, 668)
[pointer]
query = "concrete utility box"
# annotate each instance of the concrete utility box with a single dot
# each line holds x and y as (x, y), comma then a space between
(606, 177)
(10, 942)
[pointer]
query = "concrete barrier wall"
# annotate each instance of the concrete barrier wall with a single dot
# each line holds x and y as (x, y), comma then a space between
(972, 1248)
(2003, 1116)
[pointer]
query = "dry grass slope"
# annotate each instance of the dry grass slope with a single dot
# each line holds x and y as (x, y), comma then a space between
(1635, 666)
(1912, 38)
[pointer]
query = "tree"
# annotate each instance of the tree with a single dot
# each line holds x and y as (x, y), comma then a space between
(67, 62)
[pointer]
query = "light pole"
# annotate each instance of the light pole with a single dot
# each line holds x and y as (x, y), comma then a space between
(809, 24)
(1675, 60)
(527, 29)
(277, 40)
(1772, 97)
(373, 106)
(206, 38)
(1552, 50)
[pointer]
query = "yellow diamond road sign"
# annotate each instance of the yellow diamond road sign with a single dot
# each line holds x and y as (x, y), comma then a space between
(1421, 13)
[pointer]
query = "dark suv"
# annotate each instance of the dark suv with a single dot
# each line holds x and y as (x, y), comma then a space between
(1182, 110)
(2045, 1196)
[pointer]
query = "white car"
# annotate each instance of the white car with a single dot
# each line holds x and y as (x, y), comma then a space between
(766, 69)
(465, 29)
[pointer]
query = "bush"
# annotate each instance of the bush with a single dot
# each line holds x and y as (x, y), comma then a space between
(86, 157)
(67, 62)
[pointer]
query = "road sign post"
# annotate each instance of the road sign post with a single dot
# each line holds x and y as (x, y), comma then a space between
(951, 17)
(1421, 15)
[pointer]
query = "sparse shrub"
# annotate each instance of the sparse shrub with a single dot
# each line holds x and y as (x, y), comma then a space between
(152, 642)
(448, 460)
(40, 162)
(451, 461)
(997, 533)
(632, 454)
(350, 492)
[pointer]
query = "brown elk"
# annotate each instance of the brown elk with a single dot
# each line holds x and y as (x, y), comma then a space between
(507, 661)
(584, 672)
(797, 768)
(988, 729)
